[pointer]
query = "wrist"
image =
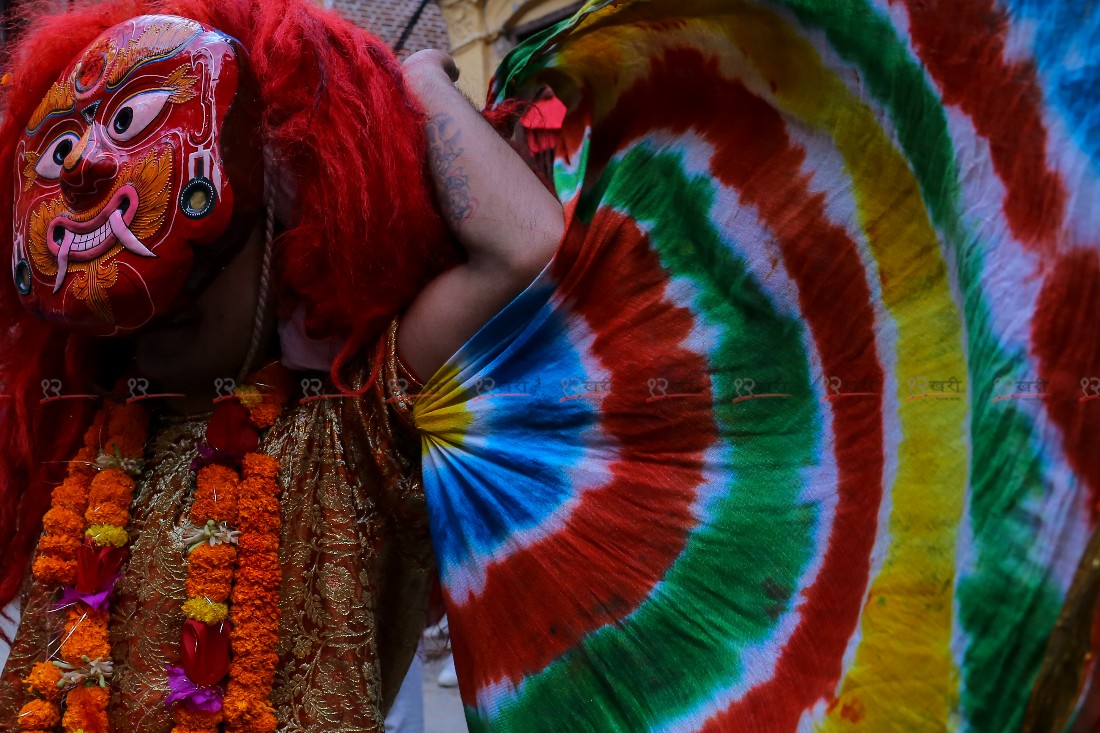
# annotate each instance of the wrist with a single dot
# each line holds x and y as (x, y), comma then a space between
(425, 68)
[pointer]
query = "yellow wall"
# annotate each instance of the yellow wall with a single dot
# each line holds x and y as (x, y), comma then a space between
(479, 34)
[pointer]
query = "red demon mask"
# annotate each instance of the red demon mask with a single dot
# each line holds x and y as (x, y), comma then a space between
(140, 176)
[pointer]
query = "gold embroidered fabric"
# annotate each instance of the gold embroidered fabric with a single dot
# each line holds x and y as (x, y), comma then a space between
(355, 553)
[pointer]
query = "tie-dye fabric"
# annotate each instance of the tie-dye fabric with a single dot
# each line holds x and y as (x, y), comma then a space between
(799, 430)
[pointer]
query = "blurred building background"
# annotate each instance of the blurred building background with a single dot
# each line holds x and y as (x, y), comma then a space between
(477, 32)
(483, 31)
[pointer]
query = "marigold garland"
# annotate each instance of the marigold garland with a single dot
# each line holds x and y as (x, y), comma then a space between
(92, 506)
(255, 600)
(93, 500)
(236, 520)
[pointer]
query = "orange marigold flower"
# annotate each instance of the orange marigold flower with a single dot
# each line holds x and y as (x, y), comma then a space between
(269, 390)
(245, 712)
(257, 543)
(111, 486)
(252, 646)
(39, 715)
(86, 709)
(53, 570)
(257, 575)
(264, 414)
(109, 513)
(257, 465)
(258, 513)
(83, 464)
(60, 520)
(256, 615)
(86, 635)
(72, 493)
(210, 572)
(43, 679)
(61, 546)
(196, 719)
(215, 495)
(127, 426)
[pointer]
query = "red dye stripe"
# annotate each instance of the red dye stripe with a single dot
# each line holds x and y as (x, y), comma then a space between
(754, 155)
(622, 537)
(835, 301)
(962, 44)
(1064, 339)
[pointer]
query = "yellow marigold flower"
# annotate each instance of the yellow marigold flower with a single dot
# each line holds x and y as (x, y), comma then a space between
(108, 534)
(206, 611)
(249, 395)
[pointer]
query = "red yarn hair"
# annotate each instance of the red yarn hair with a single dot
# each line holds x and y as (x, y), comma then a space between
(366, 238)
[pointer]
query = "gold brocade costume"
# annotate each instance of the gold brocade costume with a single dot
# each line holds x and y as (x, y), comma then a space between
(355, 554)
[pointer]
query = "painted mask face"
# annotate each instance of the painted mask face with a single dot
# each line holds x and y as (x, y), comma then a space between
(139, 176)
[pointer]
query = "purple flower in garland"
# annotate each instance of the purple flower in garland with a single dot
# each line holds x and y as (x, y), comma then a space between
(183, 689)
(97, 601)
(97, 571)
(208, 456)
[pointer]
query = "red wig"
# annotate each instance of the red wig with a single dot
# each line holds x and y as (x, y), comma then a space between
(366, 236)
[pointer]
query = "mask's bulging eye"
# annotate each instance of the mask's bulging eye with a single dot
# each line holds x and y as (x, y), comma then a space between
(50, 164)
(138, 112)
(123, 120)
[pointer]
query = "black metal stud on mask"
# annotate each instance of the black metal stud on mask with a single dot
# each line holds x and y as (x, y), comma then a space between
(23, 278)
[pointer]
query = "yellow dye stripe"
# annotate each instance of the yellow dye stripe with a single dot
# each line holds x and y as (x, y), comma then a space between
(904, 662)
(903, 668)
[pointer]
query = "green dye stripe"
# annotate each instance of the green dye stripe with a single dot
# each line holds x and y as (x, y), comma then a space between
(568, 182)
(536, 53)
(740, 572)
(1009, 606)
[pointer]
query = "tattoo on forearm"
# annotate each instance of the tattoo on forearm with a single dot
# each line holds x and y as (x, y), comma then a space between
(444, 150)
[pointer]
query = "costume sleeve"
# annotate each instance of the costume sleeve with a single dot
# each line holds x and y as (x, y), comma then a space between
(791, 433)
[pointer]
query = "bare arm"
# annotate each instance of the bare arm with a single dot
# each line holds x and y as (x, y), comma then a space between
(507, 221)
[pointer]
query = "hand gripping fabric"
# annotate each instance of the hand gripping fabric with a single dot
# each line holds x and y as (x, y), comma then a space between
(798, 431)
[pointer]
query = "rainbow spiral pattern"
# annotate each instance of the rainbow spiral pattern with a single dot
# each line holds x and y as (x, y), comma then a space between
(799, 430)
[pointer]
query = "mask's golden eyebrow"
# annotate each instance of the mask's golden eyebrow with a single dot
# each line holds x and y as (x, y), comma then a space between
(58, 100)
(155, 42)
